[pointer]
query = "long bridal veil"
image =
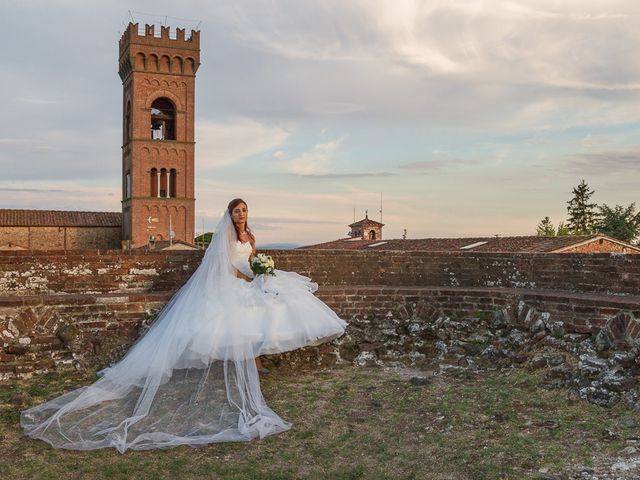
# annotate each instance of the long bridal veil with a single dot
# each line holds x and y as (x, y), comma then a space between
(186, 381)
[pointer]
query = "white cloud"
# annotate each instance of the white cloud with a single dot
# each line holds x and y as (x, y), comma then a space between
(398, 75)
(62, 152)
(431, 166)
(316, 161)
(323, 210)
(591, 141)
(457, 64)
(623, 162)
(224, 143)
(544, 43)
(14, 141)
(38, 101)
(60, 195)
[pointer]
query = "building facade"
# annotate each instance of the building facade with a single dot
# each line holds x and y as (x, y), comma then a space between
(158, 145)
(59, 230)
(366, 229)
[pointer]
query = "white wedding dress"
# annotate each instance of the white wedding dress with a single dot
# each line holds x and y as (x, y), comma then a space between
(191, 378)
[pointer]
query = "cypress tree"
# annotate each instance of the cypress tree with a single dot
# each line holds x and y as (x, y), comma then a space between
(582, 214)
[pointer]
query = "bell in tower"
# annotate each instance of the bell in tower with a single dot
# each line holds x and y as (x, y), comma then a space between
(158, 147)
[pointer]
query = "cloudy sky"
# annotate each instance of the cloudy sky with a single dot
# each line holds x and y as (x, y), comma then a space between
(470, 117)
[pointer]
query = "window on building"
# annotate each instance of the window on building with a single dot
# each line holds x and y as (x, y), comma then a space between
(372, 235)
(127, 185)
(172, 183)
(154, 182)
(163, 183)
(127, 123)
(163, 119)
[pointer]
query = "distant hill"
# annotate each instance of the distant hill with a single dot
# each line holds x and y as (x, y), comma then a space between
(278, 246)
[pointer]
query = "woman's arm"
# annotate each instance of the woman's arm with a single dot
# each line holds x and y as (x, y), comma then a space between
(242, 269)
(241, 275)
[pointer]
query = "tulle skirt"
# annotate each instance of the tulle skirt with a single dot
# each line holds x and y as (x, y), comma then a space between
(191, 379)
(273, 314)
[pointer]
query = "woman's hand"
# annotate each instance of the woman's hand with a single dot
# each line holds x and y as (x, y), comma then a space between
(241, 275)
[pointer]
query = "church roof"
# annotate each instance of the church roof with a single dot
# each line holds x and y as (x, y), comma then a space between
(365, 221)
(514, 244)
(10, 217)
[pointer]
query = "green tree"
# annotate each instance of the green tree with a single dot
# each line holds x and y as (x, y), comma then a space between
(204, 240)
(563, 230)
(545, 228)
(582, 214)
(619, 222)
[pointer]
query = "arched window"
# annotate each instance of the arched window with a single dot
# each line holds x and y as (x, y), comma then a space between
(127, 185)
(372, 235)
(163, 183)
(154, 182)
(176, 66)
(152, 63)
(163, 119)
(127, 123)
(165, 63)
(189, 66)
(172, 183)
(140, 61)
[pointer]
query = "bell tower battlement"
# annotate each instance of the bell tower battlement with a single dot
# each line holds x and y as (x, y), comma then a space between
(132, 35)
(148, 52)
(158, 141)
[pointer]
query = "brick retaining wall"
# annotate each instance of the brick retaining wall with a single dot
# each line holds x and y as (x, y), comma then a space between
(94, 271)
(86, 307)
(581, 272)
(33, 336)
(105, 271)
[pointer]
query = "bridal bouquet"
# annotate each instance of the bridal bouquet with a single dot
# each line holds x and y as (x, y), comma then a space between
(262, 264)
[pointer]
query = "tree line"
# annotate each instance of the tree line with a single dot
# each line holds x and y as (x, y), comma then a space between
(585, 217)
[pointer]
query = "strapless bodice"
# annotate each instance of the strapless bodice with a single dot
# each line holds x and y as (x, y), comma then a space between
(240, 254)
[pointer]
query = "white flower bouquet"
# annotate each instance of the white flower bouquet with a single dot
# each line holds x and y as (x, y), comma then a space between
(262, 264)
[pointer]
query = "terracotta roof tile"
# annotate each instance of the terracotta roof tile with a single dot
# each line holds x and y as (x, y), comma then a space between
(366, 221)
(477, 244)
(58, 218)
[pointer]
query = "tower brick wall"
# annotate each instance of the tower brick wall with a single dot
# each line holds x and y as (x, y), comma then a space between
(158, 173)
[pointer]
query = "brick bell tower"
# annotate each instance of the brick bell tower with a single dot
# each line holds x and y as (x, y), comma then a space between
(158, 79)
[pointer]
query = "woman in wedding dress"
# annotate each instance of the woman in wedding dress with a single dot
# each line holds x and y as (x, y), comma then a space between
(192, 378)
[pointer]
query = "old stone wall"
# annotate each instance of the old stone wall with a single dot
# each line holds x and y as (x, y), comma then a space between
(597, 273)
(94, 271)
(104, 271)
(85, 308)
(39, 333)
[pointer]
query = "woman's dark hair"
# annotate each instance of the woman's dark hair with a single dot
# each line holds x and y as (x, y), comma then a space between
(233, 204)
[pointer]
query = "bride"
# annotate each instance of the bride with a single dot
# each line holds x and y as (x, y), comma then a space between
(192, 378)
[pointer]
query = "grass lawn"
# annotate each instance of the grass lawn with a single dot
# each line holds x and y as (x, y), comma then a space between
(352, 423)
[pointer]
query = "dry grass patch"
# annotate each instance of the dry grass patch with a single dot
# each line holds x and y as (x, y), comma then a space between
(354, 423)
